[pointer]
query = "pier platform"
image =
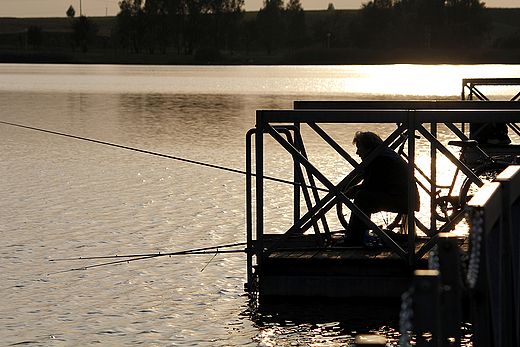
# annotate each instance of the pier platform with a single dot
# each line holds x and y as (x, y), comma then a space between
(301, 270)
(300, 260)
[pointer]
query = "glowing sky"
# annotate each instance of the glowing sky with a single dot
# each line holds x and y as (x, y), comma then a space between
(94, 8)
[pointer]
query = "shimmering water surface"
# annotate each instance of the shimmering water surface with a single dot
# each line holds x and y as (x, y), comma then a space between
(69, 198)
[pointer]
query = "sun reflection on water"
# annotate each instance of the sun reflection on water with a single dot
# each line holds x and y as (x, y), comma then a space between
(401, 80)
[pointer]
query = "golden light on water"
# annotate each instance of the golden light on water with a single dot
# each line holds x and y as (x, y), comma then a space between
(403, 80)
(419, 80)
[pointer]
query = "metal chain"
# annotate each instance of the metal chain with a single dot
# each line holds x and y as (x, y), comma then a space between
(405, 318)
(476, 222)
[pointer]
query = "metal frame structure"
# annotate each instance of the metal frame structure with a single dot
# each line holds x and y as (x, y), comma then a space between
(284, 127)
(491, 282)
(472, 83)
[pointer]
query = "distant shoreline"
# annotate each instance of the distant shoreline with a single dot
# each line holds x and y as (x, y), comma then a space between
(303, 57)
(56, 47)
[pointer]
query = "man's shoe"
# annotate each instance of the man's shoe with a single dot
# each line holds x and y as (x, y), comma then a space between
(348, 242)
(372, 239)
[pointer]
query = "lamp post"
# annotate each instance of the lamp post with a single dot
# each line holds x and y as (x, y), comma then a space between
(80, 12)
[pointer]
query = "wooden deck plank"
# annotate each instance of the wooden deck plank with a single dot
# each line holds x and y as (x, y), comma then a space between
(329, 254)
(308, 254)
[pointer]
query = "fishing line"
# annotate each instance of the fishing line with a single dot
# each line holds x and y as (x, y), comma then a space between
(205, 266)
(162, 155)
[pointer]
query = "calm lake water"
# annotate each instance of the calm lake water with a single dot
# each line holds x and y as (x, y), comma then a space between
(66, 198)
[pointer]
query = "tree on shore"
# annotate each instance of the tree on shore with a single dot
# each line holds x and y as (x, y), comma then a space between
(421, 24)
(217, 25)
(71, 12)
(296, 31)
(84, 32)
(226, 16)
(131, 24)
(185, 24)
(270, 24)
(248, 31)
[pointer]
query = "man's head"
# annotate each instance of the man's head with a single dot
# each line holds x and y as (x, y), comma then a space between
(366, 142)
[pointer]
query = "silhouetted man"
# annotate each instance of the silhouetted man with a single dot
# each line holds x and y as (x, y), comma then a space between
(384, 186)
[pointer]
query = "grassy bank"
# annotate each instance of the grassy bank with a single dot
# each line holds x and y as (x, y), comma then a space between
(303, 57)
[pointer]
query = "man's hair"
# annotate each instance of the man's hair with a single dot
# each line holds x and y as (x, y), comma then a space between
(367, 139)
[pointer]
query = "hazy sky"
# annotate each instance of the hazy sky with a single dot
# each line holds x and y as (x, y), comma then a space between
(57, 8)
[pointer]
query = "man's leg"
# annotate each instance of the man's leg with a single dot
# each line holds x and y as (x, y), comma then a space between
(366, 202)
(369, 202)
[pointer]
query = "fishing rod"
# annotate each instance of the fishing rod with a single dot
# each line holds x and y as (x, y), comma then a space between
(150, 257)
(159, 254)
(198, 251)
(279, 180)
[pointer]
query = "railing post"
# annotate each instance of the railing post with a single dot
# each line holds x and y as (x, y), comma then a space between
(450, 266)
(426, 288)
(297, 178)
(433, 175)
(249, 207)
(484, 212)
(411, 187)
(510, 183)
(259, 161)
(478, 290)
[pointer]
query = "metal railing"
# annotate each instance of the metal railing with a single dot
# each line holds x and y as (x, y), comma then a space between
(420, 118)
(490, 279)
(472, 83)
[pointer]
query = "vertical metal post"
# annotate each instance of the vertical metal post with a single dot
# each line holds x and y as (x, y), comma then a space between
(249, 207)
(507, 319)
(479, 295)
(508, 299)
(259, 160)
(515, 225)
(297, 178)
(426, 303)
(433, 175)
(450, 266)
(411, 187)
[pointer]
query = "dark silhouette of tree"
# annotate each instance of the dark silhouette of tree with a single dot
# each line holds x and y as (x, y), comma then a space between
(270, 24)
(466, 23)
(71, 12)
(296, 31)
(165, 23)
(418, 23)
(194, 15)
(333, 30)
(84, 32)
(421, 24)
(155, 15)
(375, 24)
(226, 15)
(185, 24)
(249, 30)
(34, 36)
(131, 24)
